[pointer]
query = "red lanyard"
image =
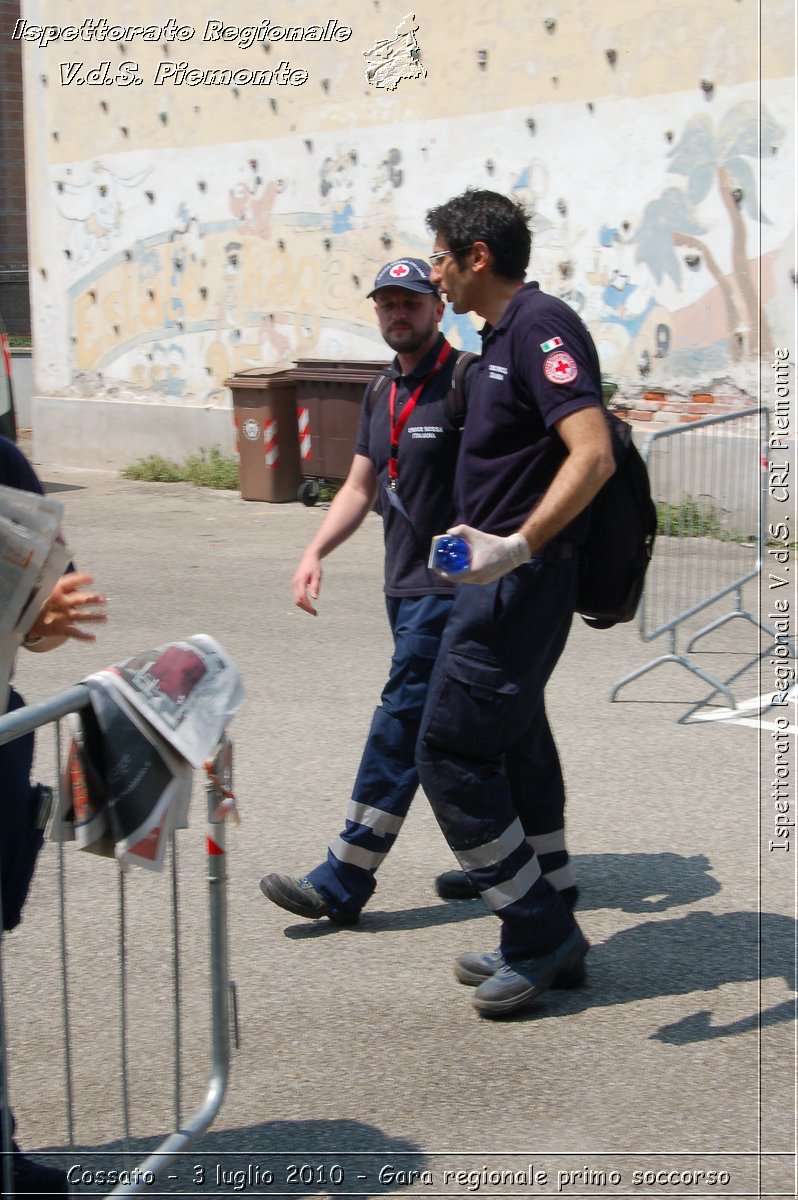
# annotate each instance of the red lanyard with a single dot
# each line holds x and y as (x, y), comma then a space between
(398, 423)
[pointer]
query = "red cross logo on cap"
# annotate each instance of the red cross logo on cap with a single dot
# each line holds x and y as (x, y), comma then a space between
(399, 271)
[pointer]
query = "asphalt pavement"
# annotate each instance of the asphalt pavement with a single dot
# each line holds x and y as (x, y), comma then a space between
(362, 1068)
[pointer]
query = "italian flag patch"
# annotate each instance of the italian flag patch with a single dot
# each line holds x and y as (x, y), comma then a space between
(554, 344)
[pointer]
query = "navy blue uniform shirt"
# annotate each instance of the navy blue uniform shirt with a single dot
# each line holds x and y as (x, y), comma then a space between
(15, 470)
(428, 447)
(538, 364)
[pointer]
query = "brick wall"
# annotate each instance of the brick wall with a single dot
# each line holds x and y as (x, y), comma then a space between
(14, 298)
(676, 407)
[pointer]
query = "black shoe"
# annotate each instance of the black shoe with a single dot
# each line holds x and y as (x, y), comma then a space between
(299, 896)
(455, 885)
(34, 1179)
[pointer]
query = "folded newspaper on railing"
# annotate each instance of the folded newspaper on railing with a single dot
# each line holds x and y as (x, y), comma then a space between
(32, 558)
(127, 780)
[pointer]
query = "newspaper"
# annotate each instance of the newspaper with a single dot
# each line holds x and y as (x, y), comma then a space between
(126, 783)
(32, 558)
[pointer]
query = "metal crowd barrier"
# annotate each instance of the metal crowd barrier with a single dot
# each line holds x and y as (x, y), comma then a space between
(222, 991)
(709, 481)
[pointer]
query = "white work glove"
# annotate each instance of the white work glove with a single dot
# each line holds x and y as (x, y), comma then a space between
(491, 555)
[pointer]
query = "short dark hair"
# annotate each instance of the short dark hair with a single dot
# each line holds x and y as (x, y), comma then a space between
(482, 216)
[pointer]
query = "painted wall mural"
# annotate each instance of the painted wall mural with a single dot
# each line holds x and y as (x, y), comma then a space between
(664, 218)
(672, 232)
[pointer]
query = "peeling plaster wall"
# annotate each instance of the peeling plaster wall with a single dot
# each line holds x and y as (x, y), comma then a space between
(182, 232)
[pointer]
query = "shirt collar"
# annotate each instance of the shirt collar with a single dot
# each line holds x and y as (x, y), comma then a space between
(509, 312)
(423, 368)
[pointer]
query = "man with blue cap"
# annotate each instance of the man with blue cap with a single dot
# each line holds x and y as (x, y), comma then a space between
(404, 458)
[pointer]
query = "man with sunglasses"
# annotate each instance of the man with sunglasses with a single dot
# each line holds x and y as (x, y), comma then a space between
(535, 451)
(415, 486)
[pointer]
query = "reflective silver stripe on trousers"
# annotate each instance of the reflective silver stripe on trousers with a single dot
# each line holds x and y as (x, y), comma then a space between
(513, 889)
(562, 878)
(356, 855)
(554, 843)
(381, 822)
(491, 853)
(547, 843)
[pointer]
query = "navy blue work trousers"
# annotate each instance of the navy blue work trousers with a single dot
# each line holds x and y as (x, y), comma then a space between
(486, 757)
(387, 778)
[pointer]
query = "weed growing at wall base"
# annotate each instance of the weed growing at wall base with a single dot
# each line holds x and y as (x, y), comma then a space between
(207, 469)
(694, 518)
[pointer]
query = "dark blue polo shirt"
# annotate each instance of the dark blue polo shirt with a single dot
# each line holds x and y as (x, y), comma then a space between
(428, 447)
(15, 470)
(538, 364)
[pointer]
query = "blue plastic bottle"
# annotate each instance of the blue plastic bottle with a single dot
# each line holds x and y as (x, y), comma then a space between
(450, 554)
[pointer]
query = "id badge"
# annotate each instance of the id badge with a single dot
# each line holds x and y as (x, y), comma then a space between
(395, 499)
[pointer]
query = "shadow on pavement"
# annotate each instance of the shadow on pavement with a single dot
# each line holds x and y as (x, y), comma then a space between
(634, 883)
(52, 488)
(642, 883)
(694, 953)
(281, 1157)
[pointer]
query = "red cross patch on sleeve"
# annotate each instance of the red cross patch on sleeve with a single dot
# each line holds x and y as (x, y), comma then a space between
(560, 368)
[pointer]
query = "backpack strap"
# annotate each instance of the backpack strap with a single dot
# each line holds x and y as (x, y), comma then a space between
(375, 386)
(456, 397)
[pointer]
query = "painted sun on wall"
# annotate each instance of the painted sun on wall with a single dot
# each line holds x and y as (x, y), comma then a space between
(183, 268)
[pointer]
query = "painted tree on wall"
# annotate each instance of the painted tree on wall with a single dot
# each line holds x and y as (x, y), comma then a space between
(710, 158)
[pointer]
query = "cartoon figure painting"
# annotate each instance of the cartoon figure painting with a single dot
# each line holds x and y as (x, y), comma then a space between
(94, 209)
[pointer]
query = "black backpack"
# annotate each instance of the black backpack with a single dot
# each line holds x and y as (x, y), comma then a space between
(620, 541)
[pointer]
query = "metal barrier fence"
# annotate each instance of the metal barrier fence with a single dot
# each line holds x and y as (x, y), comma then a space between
(709, 481)
(222, 992)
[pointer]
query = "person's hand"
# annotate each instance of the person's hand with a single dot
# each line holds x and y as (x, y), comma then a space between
(491, 555)
(66, 610)
(306, 582)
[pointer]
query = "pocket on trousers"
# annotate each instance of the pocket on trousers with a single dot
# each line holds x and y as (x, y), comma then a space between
(424, 646)
(405, 693)
(473, 713)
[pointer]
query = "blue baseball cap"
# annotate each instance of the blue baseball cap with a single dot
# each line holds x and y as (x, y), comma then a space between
(410, 273)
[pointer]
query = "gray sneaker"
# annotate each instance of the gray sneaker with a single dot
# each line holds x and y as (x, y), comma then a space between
(474, 968)
(299, 896)
(515, 985)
